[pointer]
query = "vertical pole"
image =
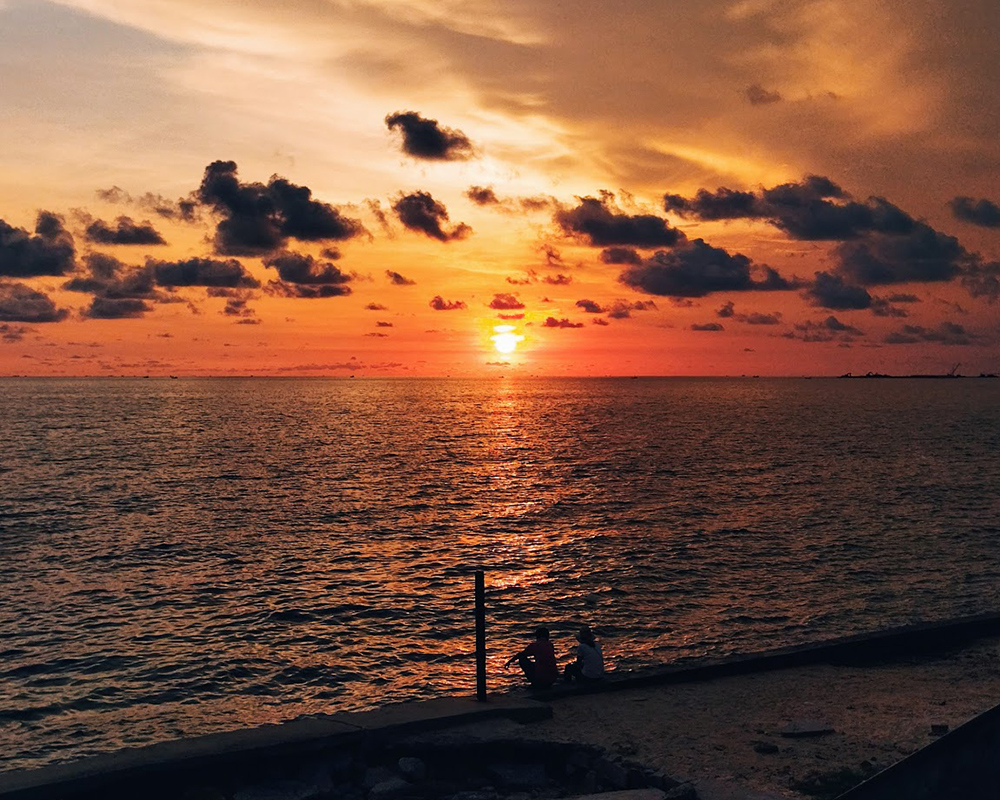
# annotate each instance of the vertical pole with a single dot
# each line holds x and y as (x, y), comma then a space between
(480, 636)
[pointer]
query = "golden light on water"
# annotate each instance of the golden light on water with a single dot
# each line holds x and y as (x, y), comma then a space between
(504, 339)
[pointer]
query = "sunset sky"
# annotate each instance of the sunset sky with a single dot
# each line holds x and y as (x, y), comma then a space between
(484, 187)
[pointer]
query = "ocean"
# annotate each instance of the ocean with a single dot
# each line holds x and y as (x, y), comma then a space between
(180, 557)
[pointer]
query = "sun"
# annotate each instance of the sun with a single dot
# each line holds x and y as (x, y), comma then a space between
(504, 339)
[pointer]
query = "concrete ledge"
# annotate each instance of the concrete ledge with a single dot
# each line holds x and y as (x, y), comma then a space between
(858, 650)
(298, 737)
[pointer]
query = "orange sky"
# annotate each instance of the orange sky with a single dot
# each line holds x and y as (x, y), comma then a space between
(371, 187)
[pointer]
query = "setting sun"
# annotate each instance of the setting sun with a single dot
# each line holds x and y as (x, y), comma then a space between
(505, 340)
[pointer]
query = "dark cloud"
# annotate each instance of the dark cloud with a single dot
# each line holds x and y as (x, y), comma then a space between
(376, 307)
(116, 308)
(552, 322)
(694, 269)
(306, 291)
(603, 226)
(830, 291)
(814, 209)
(330, 253)
(881, 307)
(13, 333)
(590, 306)
(202, 272)
(622, 309)
(757, 318)
(185, 209)
(438, 303)
(109, 278)
(398, 280)
(375, 335)
(383, 325)
(421, 212)
(726, 310)
(49, 252)
(124, 231)
(530, 276)
(505, 302)
(828, 330)
(259, 218)
(708, 326)
(600, 321)
(620, 255)
(510, 316)
(921, 255)
(903, 298)
(482, 195)
(983, 280)
(984, 213)
(20, 303)
(552, 256)
(427, 139)
(237, 307)
(303, 269)
(757, 95)
(948, 333)
(558, 280)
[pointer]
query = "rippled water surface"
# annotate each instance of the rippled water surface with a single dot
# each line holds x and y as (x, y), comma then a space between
(184, 556)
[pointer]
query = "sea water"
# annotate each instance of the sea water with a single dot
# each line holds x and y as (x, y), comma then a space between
(179, 557)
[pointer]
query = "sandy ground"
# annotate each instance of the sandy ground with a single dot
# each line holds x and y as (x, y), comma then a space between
(707, 732)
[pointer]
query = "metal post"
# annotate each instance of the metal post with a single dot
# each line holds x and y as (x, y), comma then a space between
(480, 636)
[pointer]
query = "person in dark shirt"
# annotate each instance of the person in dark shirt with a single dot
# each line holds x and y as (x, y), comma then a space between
(537, 661)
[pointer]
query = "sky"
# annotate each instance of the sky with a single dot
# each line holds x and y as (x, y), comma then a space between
(499, 187)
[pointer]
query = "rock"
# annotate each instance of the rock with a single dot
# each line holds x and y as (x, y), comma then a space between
(611, 775)
(319, 776)
(683, 792)
(939, 729)
(765, 748)
(478, 794)
(341, 765)
(376, 775)
(385, 790)
(628, 794)
(511, 775)
(803, 728)
(413, 769)
(203, 793)
(278, 790)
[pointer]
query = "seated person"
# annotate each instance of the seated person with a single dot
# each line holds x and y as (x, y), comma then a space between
(589, 664)
(537, 661)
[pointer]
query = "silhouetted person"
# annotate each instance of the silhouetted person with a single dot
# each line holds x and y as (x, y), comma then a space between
(589, 664)
(537, 661)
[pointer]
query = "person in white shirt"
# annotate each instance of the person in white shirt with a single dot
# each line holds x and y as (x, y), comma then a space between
(589, 664)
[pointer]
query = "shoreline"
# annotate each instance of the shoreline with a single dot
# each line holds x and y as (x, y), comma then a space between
(716, 725)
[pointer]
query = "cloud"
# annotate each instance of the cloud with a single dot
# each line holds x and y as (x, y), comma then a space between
(984, 213)
(708, 326)
(601, 226)
(259, 218)
(421, 212)
(814, 209)
(757, 318)
(881, 307)
(202, 272)
(398, 280)
(49, 252)
(920, 255)
(482, 195)
(983, 280)
(757, 95)
(505, 302)
(622, 309)
(830, 291)
(510, 316)
(185, 209)
(427, 139)
(303, 269)
(948, 333)
(552, 322)
(440, 304)
(20, 303)
(600, 321)
(125, 231)
(558, 280)
(376, 307)
(13, 333)
(694, 269)
(828, 330)
(726, 310)
(590, 306)
(109, 278)
(381, 324)
(304, 291)
(116, 308)
(620, 255)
